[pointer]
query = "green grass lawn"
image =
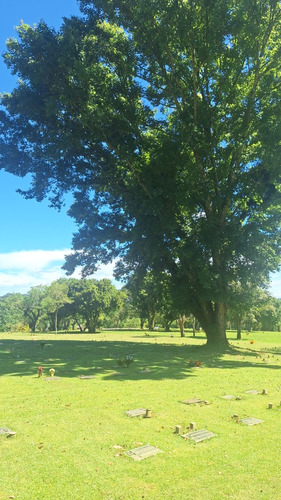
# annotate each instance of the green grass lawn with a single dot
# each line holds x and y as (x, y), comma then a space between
(69, 430)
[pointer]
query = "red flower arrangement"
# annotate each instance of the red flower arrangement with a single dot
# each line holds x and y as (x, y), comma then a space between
(194, 363)
(252, 341)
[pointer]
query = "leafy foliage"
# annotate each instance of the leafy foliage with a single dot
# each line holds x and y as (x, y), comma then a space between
(11, 313)
(90, 298)
(56, 298)
(32, 305)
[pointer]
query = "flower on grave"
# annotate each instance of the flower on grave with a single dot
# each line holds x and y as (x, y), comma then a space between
(252, 341)
(194, 363)
(40, 371)
(52, 372)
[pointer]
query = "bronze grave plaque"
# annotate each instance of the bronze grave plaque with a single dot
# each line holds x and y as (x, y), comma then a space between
(136, 413)
(251, 421)
(143, 452)
(193, 401)
(198, 436)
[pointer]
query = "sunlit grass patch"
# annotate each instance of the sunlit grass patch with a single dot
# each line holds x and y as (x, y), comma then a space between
(72, 433)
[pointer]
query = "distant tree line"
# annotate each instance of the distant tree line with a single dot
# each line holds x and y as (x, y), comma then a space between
(147, 301)
(80, 304)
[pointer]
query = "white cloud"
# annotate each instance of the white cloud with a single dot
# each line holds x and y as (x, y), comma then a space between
(19, 271)
(31, 260)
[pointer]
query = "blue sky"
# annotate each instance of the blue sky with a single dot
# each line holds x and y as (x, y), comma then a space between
(34, 237)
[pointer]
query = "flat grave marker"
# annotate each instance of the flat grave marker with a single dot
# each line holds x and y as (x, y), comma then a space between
(52, 378)
(252, 391)
(4, 431)
(251, 421)
(193, 401)
(198, 436)
(143, 452)
(230, 396)
(136, 413)
(86, 377)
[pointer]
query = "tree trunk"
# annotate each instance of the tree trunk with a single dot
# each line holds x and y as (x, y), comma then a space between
(167, 326)
(91, 326)
(76, 322)
(181, 324)
(151, 319)
(193, 326)
(56, 321)
(212, 317)
(32, 321)
(238, 327)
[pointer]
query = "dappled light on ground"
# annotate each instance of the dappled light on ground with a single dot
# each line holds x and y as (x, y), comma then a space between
(154, 357)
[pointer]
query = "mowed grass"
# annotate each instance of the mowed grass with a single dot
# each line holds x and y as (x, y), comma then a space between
(70, 431)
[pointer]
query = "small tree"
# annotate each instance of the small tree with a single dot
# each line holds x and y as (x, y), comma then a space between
(117, 316)
(147, 296)
(11, 312)
(267, 312)
(32, 305)
(55, 298)
(91, 298)
(246, 296)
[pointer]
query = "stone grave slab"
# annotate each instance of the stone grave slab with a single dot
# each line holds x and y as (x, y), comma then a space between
(229, 397)
(251, 421)
(193, 401)
(136, 413)
(4, 431)
(52, 378)
(143, 452)
(86, 377)
(252, 391)
(198, 436)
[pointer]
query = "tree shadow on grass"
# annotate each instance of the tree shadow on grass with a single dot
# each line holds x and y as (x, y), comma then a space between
(72, 358)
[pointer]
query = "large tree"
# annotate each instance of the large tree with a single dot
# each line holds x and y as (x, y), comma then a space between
(163, 118)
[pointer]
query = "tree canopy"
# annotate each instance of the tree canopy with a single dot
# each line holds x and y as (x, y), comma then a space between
(91, 298)
(163, 119)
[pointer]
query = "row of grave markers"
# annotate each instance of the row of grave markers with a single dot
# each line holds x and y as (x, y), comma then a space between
(195, 435)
